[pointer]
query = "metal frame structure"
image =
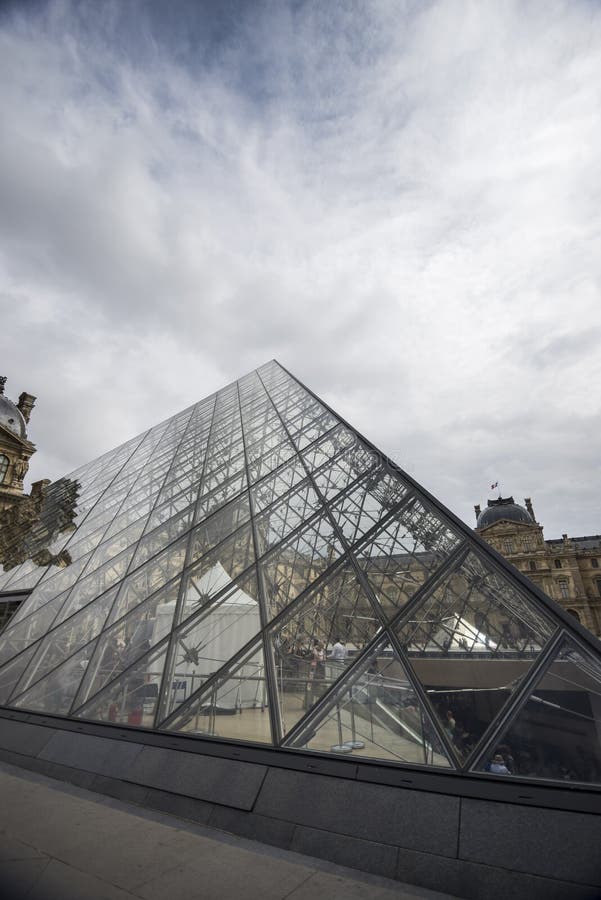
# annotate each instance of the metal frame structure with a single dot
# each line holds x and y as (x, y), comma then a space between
(265, 482)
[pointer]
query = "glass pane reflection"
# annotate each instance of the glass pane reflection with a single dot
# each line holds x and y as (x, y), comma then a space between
(557, 733)
(258, 522)
(376, 714)
(470, 643)
(234, 706)
(318, 638)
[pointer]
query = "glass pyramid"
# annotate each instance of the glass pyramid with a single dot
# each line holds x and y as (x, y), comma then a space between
(253, 570)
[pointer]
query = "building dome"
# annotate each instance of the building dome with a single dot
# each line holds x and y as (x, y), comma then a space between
(11, 417)
(503, 509)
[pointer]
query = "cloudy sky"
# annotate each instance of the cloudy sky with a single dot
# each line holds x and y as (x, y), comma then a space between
(400, 201)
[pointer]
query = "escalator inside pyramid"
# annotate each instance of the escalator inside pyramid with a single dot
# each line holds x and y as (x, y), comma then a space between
(253, 570)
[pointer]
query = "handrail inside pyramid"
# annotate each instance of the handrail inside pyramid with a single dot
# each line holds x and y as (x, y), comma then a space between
(253, 570)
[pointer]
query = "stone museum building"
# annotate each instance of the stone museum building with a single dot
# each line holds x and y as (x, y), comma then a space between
(15, 447)
(248, 616)
(568, 569)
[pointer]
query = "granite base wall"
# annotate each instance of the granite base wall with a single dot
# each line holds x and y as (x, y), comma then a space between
(472, 848)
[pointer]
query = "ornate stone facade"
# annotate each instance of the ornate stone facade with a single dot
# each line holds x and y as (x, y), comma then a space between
(568, 569)
(15, 448)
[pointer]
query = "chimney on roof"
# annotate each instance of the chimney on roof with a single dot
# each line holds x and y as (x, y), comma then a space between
(528, 503)
(26, 404)
(477, 511)
(2, 383)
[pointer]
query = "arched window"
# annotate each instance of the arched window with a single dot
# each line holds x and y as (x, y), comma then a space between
(4, 461)
(573, 612)
(532, 566)
(557, 563)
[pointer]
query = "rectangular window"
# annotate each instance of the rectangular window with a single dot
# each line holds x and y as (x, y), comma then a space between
(564, 589)
(507, 546)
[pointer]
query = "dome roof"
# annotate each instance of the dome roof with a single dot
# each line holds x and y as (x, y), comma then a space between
(11, 417)
(503, 508)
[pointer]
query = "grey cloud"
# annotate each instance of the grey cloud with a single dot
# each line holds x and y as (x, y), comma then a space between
(410, 223)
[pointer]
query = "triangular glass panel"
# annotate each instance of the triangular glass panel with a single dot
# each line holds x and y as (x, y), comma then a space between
(55, 692)
(276, 485)
(257, 521)
(207, 577)
(367, 502)
(233, 706)
(67, 639)
(113, 546)
(129, 639)
(374, 712)
(338, 473)
(21, 577)
(132, 698)
(317, 638)
(12, 671)
(92, 586)
(169, 508)
(146, 580)
(556, 733)
(266, 460)
(128, 516)
(51, 585)
(219, 526)
(402, 554)
(298, 562)
(214, 497)
(276, 523)
(20, 636)
(313, 430)
(333, 447)
(208, 640)
(160, 537)
(471, 641)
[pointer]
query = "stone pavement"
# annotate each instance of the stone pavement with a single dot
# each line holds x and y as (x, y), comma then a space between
(60, 842)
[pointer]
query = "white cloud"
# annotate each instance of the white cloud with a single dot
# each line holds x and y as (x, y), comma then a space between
(399, 203)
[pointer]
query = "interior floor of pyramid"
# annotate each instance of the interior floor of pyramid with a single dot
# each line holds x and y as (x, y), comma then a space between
(377, 741)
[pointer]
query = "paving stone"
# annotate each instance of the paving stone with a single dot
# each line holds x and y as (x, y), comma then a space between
(336, 887)
(59, 881)
(37, 824)
(17, 877)
(129, 855)
(226, 871)
(13, 849)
